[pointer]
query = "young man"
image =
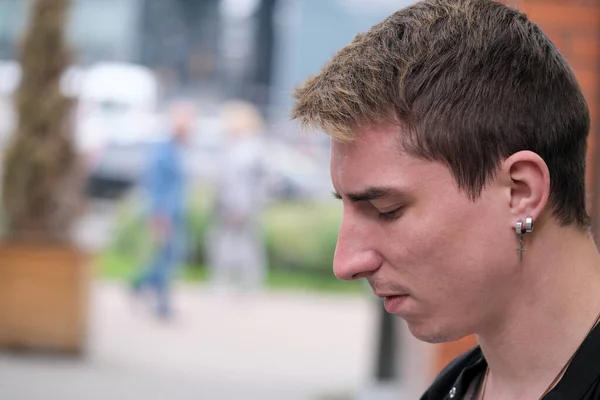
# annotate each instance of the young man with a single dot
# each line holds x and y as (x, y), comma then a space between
(458, 151)
(165, 185)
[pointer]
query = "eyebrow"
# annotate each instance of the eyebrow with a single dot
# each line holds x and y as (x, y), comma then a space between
(370, 194)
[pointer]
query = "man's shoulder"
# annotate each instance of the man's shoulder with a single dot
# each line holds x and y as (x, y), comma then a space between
(448, 376)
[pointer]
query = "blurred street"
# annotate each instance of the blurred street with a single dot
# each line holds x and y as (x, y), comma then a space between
(260, 346)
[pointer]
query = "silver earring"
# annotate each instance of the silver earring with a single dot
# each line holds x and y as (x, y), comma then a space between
(520, 233)
(519, 227)
(529, 224)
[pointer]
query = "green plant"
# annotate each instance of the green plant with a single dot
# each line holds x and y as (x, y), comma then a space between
(299, 237)
(300, 240)
(198, 219)
(302, 236)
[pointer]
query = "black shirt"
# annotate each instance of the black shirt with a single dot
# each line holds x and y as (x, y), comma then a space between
(581, 381)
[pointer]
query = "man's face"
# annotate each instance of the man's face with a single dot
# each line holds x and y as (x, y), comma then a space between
(444, 262)
(182, 121)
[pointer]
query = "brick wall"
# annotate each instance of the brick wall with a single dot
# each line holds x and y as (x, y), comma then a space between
(574, 26)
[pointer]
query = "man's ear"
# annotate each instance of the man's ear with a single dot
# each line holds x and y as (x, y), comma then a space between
(529, 184)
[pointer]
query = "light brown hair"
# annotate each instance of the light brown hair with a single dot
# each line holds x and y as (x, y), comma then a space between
(471, 82)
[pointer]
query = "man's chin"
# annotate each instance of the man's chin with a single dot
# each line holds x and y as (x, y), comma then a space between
(429, 334)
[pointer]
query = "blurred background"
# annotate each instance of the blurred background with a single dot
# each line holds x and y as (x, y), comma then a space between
(173, 102)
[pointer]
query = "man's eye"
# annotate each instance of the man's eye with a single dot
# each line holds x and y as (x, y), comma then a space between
(390, 215)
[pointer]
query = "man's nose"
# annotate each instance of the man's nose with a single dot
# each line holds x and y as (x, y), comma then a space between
(354, 256)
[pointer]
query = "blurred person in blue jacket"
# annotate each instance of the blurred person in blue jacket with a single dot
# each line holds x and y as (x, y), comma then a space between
(164, 185)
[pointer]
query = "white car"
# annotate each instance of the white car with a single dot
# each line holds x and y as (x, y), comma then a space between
(117, 106)
(116, 103)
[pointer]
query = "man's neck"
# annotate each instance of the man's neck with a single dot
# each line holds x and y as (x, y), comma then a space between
(554, 306)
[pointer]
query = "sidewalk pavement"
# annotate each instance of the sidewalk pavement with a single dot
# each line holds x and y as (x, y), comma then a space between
(272, 345)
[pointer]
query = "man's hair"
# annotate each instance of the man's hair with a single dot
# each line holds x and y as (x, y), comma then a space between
(471, 82)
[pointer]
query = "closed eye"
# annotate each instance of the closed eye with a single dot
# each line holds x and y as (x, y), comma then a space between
(390, 215)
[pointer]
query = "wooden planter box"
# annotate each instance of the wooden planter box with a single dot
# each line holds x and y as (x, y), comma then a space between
(44, 297)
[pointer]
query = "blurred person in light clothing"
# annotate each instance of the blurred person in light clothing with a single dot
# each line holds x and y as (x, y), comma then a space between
(164, 184)
(237, 250)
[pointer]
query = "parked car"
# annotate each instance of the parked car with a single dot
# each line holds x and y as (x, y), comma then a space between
(115, 115)
(117, 123)
(118, 169)
(116, 106)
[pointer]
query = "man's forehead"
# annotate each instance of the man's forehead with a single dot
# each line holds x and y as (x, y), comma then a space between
(376, 159)
(369, 140)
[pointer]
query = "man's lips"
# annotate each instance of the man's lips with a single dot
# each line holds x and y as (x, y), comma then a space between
(393, 303)
(384, 295)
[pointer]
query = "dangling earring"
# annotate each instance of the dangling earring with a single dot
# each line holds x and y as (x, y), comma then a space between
(520, 230)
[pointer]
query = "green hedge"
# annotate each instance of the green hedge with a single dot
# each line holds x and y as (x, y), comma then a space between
(302, 236)
(298, 236)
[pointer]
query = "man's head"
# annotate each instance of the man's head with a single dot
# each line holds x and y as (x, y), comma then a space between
(182, 117)
(242, 119)
(451, 120)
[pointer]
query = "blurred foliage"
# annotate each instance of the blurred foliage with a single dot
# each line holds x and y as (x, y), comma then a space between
(118, 267)
(300, 238)
(40, 194)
